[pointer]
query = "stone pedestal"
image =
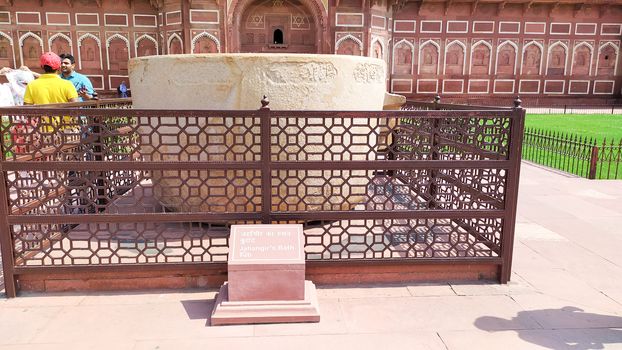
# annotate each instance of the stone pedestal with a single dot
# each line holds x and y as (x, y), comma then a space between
(228, 312)
(266, 278)
(238, 82)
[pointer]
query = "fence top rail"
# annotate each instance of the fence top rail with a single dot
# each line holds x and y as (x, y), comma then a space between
(528, 100)
(154, 113)
(453, 107)
(90, 103)
(119, 165)
(573, 139)
(566, 141)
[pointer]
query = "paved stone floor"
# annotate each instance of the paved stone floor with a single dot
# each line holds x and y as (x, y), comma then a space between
(565, 293)
(1, 276)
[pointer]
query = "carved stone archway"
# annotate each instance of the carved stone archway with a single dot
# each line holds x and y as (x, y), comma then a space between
(237, 16)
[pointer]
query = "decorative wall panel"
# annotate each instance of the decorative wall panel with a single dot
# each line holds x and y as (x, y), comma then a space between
(468, 48)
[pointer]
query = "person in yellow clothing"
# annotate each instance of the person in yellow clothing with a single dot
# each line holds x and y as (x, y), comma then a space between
(50, 88)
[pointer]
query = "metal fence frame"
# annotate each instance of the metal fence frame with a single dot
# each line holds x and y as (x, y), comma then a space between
(506, 211)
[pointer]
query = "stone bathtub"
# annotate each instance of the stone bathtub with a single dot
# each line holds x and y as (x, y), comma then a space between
(238, 82)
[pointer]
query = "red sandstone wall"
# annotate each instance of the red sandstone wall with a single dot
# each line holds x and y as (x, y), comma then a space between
(465, 49)
(542, 50)
(101, 38)
(104, 34)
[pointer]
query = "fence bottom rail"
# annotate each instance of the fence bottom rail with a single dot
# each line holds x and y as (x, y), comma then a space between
(213, 275)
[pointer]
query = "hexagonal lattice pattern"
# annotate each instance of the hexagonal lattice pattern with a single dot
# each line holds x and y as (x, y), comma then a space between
(402, 238)
(325, 139)
(319, 163)
(120, 243)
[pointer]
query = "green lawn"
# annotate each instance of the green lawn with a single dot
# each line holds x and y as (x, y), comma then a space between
(600, 126)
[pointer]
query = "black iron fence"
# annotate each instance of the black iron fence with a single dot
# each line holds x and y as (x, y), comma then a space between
(575, 109)
(579, 155)
(535, 105)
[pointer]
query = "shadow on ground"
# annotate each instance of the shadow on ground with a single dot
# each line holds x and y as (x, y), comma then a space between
(199, 309)
(565, 328)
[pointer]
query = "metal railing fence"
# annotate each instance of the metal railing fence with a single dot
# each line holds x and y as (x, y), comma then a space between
(14, 130)
(436, 104)
(98, 189)
(579, 155)
(534, 105)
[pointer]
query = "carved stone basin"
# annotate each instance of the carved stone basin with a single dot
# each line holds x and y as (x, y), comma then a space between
(238, 82)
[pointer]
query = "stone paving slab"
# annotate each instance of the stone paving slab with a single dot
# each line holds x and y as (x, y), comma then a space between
(356, 292)
(533, 339)
(565, 293)
(431, 290)
(20, 325)
(409, 340)
(431, 313)
(73, 346)
(1, 276)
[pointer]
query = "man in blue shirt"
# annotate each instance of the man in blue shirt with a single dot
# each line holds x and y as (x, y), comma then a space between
(122, 90)
(81, 82)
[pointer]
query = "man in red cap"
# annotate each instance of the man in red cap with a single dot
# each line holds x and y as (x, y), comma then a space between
(49, 87)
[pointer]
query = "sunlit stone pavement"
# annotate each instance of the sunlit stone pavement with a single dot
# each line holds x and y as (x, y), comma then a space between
(565, 293)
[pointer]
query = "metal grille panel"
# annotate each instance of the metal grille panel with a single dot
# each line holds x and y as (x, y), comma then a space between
(110, 187)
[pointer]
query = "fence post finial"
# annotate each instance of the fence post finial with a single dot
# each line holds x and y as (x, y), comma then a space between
(437, 101)
(264, 103)
(517, 102)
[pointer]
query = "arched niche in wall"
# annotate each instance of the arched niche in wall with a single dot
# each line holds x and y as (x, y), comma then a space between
(7, 57)
(175, 45)
(31, 49)
(480, 58)
(118, 53)
(278, 37)
(146, 45)
(607, 59)
(205, 43)
(403, 53)
(454, 58)
(532, 59)
(377, 49)
(557, 58)
(428, 57)
(582, 59)
(89, 52)
(349, 45)
(285, 25)
(506, 58)
(60, 43)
